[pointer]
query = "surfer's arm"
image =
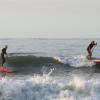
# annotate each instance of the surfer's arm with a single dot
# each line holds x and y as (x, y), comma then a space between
(6, 54)
(95, 44)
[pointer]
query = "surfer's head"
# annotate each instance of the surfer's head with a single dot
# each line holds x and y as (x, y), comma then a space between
(93, 42)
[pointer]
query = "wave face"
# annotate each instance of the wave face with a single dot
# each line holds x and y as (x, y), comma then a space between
(31, 60)
(35, 62)
(75, 61)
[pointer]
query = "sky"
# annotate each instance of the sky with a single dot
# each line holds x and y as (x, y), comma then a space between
(50, 18)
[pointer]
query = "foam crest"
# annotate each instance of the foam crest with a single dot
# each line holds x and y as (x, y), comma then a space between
(76, 61)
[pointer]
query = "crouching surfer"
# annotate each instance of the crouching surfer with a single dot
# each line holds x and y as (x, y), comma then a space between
(90, 49)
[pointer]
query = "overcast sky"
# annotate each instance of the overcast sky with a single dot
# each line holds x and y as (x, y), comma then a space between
(50, 18)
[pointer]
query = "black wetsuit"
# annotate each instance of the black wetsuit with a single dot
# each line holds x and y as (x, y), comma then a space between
(2, 55)
(91, 45)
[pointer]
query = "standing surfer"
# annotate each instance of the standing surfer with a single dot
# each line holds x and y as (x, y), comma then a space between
(3, 53)
(90, 49)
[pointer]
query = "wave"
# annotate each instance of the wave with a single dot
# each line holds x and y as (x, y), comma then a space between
(45, 87)
(26, 65)
(76, 61)
(29, 60)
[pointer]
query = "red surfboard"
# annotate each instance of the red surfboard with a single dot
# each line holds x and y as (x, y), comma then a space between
(96, 61)
(5, 70)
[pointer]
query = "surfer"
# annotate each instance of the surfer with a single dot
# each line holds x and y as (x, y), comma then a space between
(90, 49)
(3, 53)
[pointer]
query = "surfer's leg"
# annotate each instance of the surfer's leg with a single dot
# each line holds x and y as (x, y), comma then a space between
(89, 56)
(3, 61)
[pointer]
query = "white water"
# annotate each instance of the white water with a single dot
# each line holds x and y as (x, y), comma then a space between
(46, 87)
(76, 61)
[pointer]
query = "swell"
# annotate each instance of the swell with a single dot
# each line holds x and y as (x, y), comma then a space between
(27, 60)
(30, 60)
(31, 64)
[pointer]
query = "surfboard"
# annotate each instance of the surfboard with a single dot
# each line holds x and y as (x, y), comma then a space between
(96, 61)
(4, 70)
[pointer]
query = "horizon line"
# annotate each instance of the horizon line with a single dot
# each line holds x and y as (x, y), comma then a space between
(48, 38)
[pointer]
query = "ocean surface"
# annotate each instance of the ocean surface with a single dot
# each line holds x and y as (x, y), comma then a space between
(50, 69)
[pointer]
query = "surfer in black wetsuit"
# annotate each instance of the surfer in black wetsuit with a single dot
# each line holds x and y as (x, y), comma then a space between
(3, 53)
(90, 49)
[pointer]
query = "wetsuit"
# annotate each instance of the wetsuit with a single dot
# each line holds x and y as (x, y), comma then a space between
(2, 55)
(89, 49)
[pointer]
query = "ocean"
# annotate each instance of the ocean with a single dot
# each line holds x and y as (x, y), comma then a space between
(50, 69)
